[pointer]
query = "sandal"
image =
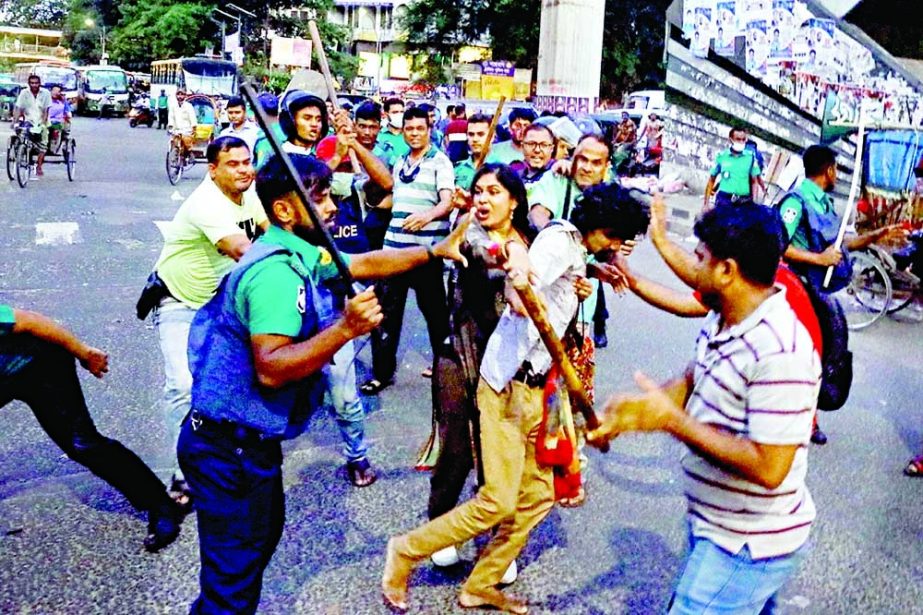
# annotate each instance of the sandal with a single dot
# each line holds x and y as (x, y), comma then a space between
(915, 467)
(427, 372)
(576, 501)
(360, 473)
(374, 386)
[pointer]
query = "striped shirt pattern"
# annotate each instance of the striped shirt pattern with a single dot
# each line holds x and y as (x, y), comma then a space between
(759, 380)
(422, 194)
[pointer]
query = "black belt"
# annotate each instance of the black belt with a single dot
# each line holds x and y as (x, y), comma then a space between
(735, 198)
(228, 429)
(529, 378)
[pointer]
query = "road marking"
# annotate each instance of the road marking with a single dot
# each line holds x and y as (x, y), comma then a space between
(57, 233)
(176, 196)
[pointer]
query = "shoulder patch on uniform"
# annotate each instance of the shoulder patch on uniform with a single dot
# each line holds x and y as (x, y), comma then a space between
(301, 302)
(789, 215)
(325, 258)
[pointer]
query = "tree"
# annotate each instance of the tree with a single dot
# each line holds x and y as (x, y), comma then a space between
(34, 14)
(157, 29)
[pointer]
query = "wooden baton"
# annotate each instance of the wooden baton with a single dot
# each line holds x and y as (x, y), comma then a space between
(536, 311)
(490, 133)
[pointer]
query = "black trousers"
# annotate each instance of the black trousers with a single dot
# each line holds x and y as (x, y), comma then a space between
(162, 118)
(454, 405)
(427, 285)
(240, 510)
(50, 387)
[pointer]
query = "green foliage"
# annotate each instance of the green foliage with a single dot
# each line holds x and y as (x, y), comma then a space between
(48, 14)
(160, 29)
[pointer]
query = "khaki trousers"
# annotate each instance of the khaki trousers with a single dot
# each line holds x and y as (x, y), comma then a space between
(517, 494)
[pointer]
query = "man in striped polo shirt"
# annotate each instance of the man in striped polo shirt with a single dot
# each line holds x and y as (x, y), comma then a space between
(423, 183)
(744, 409)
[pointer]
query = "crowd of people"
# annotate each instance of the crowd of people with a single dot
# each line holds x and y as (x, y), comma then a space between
(257, 318)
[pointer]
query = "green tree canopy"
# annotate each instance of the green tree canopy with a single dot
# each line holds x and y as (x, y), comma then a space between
(49, 14)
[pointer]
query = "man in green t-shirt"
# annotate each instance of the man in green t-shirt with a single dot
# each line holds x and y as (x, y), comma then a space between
(163, 110)
(212, 229)
(735, 173)
(478, 126)
(510, 151)
(258, 352)
(390, 145)
(812, 250)
(37, 367)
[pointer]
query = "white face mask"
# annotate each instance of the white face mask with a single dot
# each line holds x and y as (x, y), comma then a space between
(738, 147)
(341, 184)
(396, 119)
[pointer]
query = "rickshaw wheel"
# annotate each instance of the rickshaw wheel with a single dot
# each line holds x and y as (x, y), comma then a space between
(174, 165)
(70, 159)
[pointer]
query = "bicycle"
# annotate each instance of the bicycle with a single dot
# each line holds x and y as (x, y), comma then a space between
(179, 159)
(23, 149)
(885, 283)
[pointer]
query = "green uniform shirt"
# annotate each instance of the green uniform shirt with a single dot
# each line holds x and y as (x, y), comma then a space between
(10, 364)
(503, 153)
(550, 192)
(262, 150)
(271, 295)
(464, 173)
(791, 211)
(734, 172)
(390, 147)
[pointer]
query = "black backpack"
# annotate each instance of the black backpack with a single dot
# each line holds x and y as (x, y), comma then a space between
(836, 359)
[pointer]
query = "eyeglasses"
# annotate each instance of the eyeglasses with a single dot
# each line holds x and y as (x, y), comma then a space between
(536, 145)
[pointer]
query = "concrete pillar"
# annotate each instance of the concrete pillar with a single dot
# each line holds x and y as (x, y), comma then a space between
(570, 54)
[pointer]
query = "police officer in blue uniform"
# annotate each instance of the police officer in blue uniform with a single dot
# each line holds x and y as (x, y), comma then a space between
(258, 353)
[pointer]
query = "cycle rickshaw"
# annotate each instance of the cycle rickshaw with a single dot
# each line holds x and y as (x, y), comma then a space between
(179, 158)
(22, 151)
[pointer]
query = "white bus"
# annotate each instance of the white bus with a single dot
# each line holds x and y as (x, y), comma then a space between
(197, 75)
(95, 79)
(51, 73)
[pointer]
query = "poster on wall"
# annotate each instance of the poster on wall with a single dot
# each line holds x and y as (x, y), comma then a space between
(782, 30)
(727, 27)
(818, 40)
(757, 47)
(702, 35)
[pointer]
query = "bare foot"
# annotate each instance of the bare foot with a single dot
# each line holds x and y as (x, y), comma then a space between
(493, 598)
(395, 576)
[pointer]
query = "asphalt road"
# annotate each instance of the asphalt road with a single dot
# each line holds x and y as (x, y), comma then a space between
(69, 543)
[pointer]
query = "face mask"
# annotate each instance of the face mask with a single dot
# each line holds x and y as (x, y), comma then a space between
(396, 120)
(738, 147)
(341, 184)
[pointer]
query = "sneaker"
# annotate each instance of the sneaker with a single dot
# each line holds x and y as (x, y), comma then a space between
(600, 340)
(445, 557)
(163, 524)
(511, 574)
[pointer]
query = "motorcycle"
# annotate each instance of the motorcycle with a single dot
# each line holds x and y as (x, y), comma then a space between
(141, 113)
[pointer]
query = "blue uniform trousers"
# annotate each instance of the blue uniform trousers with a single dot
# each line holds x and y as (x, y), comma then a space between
(236, 479)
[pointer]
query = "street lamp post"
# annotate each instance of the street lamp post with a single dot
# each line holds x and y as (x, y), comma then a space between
(103, 59)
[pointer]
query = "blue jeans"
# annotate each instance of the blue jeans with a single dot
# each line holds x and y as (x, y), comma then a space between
(240, 510)
(717, 582)
(345, 402)
(172, 320)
